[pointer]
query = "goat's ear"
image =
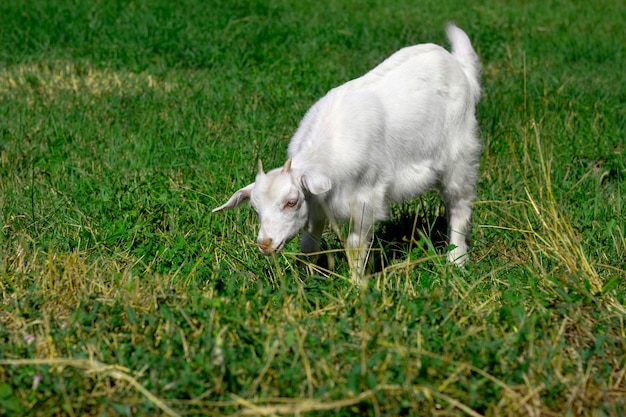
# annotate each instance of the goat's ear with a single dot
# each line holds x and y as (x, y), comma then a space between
(240, 197)
(315, 183)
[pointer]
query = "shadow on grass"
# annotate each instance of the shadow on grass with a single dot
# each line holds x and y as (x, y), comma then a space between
(395, 239)
(410, 232)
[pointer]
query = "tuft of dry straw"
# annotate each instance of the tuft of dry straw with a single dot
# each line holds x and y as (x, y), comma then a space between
(91, 366)
(547, 228)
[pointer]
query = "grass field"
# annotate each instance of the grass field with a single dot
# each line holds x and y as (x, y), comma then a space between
(123, 123)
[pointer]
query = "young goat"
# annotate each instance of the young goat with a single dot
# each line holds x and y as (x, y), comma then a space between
(404, 127)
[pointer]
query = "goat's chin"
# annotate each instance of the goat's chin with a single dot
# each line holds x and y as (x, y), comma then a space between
(270, 250)
(270, 246)
(267, 251)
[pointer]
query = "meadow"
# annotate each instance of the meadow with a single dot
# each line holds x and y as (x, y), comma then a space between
(123, 123)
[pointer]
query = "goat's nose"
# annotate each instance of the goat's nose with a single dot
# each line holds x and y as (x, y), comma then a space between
(265, 246)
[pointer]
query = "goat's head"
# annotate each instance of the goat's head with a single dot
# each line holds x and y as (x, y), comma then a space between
(279, 198)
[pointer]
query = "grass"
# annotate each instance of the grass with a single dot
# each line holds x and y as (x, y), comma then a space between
(122, 124)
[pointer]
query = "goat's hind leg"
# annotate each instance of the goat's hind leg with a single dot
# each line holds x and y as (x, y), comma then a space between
(458, 201)
(458, 188)
(459, 213)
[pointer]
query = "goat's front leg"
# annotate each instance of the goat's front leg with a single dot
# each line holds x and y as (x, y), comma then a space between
(358, 243)
(312, 236)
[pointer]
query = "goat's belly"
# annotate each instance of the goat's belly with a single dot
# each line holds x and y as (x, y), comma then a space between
(358, 201)
(411, 181)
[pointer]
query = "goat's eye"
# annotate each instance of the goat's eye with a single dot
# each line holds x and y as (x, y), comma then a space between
(291, 203)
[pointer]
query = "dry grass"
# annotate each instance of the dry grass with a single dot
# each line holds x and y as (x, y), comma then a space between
(59, 78)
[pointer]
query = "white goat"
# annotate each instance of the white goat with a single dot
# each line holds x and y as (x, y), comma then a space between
(406, 126)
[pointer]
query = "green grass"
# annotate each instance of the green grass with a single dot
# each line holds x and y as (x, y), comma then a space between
(122, 124)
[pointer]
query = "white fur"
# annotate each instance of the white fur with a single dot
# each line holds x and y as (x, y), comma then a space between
(404, 127)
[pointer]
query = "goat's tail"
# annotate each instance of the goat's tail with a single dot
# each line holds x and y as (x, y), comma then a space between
(464, 53)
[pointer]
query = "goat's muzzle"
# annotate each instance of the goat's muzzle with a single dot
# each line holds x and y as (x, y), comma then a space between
(265, 246)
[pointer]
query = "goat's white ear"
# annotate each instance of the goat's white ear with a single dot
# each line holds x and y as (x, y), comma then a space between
(237, 199)
(315, 183)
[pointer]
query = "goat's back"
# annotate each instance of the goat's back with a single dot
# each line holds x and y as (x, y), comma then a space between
(393, 130)
(408, 103)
